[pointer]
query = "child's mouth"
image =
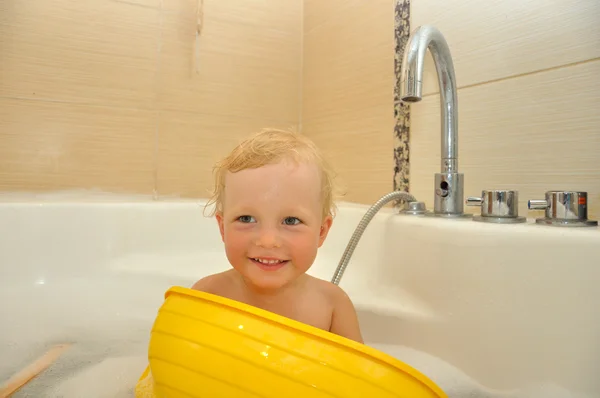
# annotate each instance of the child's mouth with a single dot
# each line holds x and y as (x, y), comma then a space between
(269, 264)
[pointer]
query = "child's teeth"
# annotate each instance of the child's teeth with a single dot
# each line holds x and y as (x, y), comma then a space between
(268, 261)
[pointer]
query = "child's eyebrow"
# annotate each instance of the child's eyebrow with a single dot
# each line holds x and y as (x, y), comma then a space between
(300, 212)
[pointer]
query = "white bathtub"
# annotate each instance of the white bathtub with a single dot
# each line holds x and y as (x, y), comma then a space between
(484, 310)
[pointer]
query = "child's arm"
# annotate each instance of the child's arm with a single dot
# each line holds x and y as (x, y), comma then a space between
(344, 321)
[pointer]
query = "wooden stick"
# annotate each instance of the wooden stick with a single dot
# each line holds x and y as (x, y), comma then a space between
(33, 369)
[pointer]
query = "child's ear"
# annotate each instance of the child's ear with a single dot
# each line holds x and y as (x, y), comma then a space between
(219, 217)
(325, 226)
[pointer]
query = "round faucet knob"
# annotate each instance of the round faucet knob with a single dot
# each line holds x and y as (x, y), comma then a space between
(496, 203)
(563, 208)
(500, 206)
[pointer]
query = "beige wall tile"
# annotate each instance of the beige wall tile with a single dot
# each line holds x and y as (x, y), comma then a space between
(491, 40)
(97, 52)
(532, 133)
(47, 146)
(189, 144)
(325, 66)
(360, 148)
(317, 12)
(283, 15)
(241, 74)
(233, 68)
(348, 83)
(350, 66)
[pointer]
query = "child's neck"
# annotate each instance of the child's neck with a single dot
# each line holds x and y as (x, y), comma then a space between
(271, 296)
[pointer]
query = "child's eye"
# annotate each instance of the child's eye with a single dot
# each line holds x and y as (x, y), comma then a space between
(246, 219)
(291, 221)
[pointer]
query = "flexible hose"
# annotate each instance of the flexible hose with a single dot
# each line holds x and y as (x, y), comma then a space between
(362, 225)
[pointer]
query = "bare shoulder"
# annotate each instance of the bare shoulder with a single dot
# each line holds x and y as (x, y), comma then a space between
(344, 320)
(215, 283)
(333, 292)
(321, 286)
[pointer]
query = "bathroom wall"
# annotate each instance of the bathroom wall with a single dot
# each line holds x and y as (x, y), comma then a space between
(528, 98)
(348, 91)
(140, 96)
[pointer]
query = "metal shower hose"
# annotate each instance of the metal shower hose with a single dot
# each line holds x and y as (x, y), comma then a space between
(396, 195)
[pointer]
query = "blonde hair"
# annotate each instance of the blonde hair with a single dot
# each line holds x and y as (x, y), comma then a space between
(271, 146)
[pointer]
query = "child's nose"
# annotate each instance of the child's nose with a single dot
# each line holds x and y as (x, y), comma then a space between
(268, 238)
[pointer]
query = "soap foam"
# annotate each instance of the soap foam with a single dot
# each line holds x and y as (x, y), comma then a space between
(109, 342)
(89, 371)
(456, 384)
(98, 370)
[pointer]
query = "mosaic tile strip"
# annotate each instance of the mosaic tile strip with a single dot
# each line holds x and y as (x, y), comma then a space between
(401, 110)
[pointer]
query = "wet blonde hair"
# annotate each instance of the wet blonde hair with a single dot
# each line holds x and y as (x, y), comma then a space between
(271, 146)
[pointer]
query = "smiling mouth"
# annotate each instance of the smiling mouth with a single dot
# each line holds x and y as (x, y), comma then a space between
(268, 263)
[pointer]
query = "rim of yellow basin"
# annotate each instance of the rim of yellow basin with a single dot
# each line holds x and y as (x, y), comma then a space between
(313, 331)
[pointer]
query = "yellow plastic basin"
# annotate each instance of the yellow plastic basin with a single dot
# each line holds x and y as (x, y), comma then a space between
(202, 345)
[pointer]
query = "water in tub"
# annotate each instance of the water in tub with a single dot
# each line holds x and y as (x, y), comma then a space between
(109, 341)
(108, 338)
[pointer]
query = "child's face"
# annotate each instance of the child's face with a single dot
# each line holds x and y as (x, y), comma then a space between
(272, 222)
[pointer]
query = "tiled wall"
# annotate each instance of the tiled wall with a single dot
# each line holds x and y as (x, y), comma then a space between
(140, 95)
(528, 98)
(528, 95)
(348, 90)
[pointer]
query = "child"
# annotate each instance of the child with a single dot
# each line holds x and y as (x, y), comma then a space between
(274, 205)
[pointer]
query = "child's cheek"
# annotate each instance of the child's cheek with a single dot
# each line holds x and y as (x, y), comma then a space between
(304, 245)
(239, 237)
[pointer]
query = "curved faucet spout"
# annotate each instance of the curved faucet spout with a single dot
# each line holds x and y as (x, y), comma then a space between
(423, 38)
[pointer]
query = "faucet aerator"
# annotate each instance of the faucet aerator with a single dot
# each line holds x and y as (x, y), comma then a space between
(411, 89)
(411, 99)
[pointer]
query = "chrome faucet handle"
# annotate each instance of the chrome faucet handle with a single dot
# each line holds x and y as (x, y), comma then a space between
(497, 206)
(563, 208)
(537, 204)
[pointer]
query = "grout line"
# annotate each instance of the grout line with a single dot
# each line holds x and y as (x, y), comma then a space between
(224, 115)
(501, 79)
(155, 103)
(150, 109)
(129, 3)
(56, 101)
(199, 28)
(301, 77)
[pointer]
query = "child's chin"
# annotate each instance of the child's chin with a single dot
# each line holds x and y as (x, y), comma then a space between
(269, 282)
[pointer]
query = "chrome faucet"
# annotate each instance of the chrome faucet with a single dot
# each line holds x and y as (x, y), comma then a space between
(449, 184)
